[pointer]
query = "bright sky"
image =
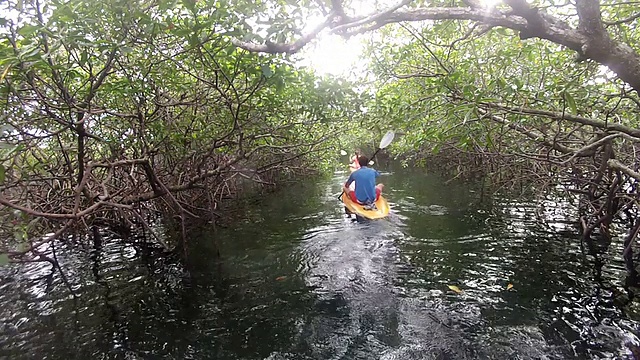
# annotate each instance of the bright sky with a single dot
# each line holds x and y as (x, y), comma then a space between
(332, 54)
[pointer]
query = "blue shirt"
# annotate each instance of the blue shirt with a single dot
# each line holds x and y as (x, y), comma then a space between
(365, 179)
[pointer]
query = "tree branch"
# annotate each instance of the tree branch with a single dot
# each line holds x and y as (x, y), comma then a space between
(622, 21)
(273, 48)
(590, 19)
(371, 18)
(565, 116)
(617, 165)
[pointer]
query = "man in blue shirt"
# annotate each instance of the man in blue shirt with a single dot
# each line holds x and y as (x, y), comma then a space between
(366, 192)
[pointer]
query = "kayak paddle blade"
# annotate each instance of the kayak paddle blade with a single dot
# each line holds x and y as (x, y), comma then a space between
(387, 139)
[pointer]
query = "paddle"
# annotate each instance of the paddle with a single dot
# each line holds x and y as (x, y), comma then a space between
(386, 140)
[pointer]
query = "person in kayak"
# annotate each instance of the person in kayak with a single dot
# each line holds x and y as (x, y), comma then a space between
(366, 191)
(355, 165)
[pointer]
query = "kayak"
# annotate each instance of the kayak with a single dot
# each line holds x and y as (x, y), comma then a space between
(382, 208)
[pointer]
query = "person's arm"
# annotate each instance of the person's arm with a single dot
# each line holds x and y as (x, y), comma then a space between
(380, 185)
(349, 180)
(345, 187)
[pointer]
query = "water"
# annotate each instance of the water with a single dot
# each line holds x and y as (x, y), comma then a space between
(297, 279)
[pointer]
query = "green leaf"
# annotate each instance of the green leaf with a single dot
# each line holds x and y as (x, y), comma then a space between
(66, 14)
(4, 259)
(518, 83)
(30, 52)
(570, 102)
(266, 71)
(279, 83)
(83, 58)
(2, 176)
(28, 30)
(189, 4)
(469, 90)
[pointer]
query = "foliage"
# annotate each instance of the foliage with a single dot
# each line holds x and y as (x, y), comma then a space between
(519, 111)
(438, 89)
(118, 110)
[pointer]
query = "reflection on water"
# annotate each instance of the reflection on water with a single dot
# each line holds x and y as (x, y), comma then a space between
(297, 279)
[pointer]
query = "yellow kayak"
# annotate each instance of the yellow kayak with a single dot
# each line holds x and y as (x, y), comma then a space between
(382, 208)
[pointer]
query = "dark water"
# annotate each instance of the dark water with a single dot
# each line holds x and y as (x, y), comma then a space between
(298, 280)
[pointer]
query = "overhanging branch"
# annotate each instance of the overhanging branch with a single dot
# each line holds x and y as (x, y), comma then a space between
(617, 165)
(565, 116)
(273, 48)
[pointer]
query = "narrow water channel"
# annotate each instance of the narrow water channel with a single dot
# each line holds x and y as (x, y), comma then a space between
(298, 279)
